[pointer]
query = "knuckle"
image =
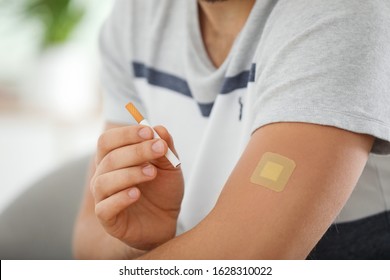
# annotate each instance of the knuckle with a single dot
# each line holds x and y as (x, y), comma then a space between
(100, 213)
(128, 132)
(91, 183)
(103, 214)
(97, 183)
(92, 187)
(109, 161)
(103, 142)
(98, 186)
(140, 151)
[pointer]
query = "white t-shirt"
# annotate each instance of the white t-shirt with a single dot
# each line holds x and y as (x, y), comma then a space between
(321, 61)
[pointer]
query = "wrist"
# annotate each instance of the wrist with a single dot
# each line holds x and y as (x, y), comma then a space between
(129, 253)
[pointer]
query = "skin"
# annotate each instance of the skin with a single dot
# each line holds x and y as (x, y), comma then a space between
(133, 198)
(127, 164)
(220, 22)
(254, 222)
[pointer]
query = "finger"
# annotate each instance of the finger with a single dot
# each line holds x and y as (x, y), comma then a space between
(121, 136)
(133, 155)
(107, 210)
(107, 184)
(164, 134)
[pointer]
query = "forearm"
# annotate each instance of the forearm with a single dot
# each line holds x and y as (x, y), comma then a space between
(187, 246)
(214, 239)
(92, 242)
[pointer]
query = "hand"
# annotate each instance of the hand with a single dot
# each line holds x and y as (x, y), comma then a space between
(137, 191)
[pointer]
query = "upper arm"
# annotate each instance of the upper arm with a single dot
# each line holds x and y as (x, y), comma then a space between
(252, 221)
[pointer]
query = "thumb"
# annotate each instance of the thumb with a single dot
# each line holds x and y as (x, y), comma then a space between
(163, 162)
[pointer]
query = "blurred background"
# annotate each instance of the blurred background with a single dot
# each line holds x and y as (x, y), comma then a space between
(50, 103)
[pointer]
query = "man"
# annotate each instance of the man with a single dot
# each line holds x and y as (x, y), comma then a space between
(277, 110)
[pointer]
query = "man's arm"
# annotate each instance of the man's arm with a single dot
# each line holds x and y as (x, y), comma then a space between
(133, 197)
(251, 221)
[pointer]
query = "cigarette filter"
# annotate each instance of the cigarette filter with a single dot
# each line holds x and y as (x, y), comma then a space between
(141, 120)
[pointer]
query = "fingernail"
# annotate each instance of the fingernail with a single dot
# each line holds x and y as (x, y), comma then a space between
(133, 193)
(158, 147)
(148, 170)
(145, 133)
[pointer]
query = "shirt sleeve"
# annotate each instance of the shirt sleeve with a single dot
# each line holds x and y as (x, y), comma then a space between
(116, 72)
(328, 63)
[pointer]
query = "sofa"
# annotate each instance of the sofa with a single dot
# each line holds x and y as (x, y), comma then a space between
(38, 224)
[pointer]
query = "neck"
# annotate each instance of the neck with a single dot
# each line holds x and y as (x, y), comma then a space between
(220, 23)
(225, 17)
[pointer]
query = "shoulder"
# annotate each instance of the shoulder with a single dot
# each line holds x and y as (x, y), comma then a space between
(332, 29)
(349, 16)
(330, 59)
(311, 11)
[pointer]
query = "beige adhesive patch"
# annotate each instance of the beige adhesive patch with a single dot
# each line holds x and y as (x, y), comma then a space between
(273, 171)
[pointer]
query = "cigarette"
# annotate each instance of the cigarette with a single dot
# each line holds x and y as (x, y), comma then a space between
(141, 120)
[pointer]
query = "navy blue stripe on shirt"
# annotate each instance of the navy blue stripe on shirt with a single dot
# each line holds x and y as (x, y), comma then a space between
(241, 80)
(252, 73)
(161, 79)
(179, 85)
